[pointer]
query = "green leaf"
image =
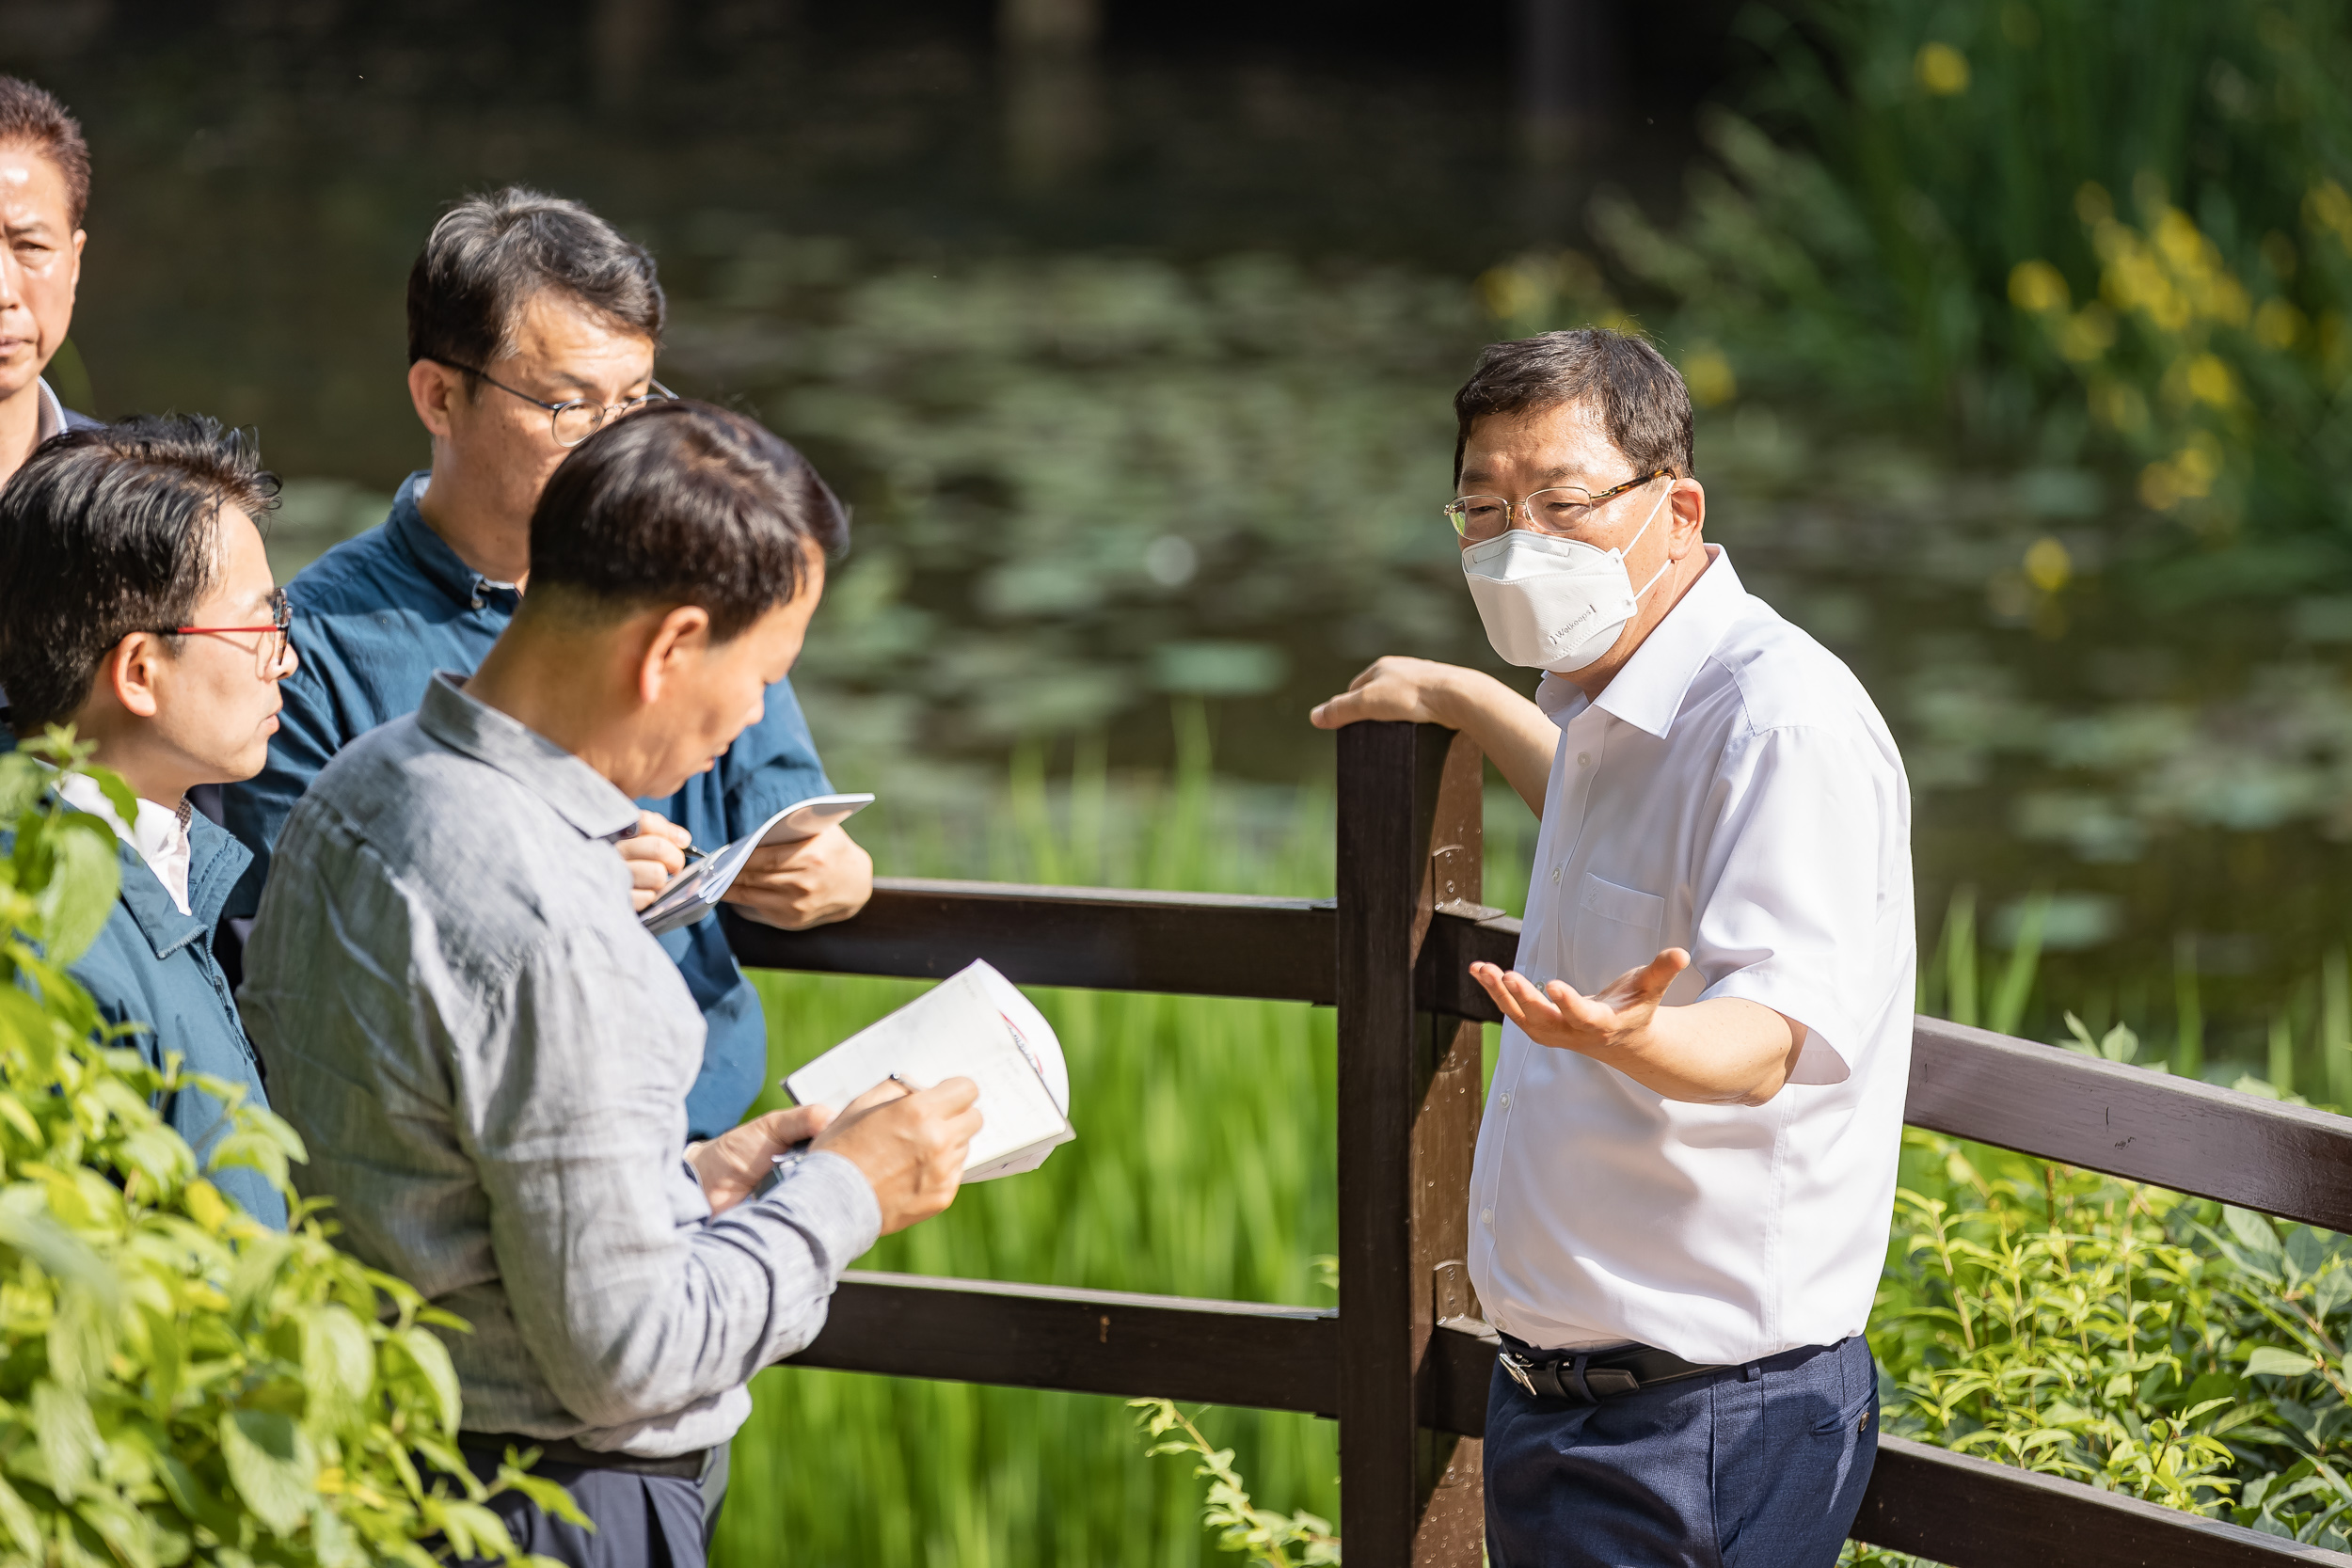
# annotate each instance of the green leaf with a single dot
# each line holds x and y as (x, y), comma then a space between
(273, 1465)
(110, 784)
(17, 1519)
(338, 1365)
(430, 1357)
(2330, 1290)
(2270, 1361)
(22, 779)
(2256, 1234)
(84, 878)
(68, 1434)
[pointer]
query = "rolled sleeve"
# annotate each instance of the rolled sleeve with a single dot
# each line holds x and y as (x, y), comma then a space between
(1787, 914)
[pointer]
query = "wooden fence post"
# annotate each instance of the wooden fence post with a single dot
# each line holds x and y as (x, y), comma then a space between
(1410, 842)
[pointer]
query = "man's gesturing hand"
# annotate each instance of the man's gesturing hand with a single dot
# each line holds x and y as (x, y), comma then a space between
(654, 855)
(1606, 1024)
(1723, 1051)
(812, 881)
(909, 1146)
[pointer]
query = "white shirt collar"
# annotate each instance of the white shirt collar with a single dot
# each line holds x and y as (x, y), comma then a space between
(1649, 692)
(51, 413)
(159, 834)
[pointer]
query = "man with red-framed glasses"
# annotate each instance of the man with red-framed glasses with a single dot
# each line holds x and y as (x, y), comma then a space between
(167, 653)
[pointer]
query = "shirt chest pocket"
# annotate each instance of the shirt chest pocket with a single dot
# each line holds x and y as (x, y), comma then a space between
(1615, 928)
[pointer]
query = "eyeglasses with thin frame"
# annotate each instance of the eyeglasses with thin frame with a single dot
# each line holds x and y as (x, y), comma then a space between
(576, 420)
(270, 653)
(1562, 509)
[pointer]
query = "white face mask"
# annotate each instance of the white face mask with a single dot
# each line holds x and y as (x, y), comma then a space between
(1554, 604)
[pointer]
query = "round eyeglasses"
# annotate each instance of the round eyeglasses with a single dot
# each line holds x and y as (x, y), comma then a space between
(270, 653)
(575, 422)
(1562, 509)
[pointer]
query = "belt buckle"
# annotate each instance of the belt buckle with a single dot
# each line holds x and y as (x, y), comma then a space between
(1516, 1367)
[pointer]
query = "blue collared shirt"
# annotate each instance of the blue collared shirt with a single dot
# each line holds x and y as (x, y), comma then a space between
(373, 618)
(154, 965)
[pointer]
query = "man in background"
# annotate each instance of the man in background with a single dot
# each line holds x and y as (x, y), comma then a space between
(488, 1056)
(532, 324)
(44, 189)
(166, 650)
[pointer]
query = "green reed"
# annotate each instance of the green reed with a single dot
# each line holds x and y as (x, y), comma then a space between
(1204, 1166)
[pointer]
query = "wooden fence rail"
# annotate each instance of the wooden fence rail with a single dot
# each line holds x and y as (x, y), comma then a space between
(1406, 1366)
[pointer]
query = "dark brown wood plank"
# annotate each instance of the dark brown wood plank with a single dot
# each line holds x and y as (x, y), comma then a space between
(1387, 784)
(2192, 1137)
(1189, 944)
(1972, 1514)
(1451, 1530)
(1089, 1341)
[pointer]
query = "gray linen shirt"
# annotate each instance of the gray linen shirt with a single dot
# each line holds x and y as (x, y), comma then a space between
(488, 1058)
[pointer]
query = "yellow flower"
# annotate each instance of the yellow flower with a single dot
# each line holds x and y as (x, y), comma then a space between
(2048, 564)
(2278, 324)
(1709, 375)
(2037, 286)
(2210, 381)
(1942, 69)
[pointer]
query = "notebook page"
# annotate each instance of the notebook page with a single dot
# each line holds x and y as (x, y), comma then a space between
(952, 1031)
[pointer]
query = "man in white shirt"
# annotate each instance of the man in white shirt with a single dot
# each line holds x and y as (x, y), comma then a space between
(1686, 1171)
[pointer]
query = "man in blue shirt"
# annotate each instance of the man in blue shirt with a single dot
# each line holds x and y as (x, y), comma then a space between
(531, 324)
(167, 656)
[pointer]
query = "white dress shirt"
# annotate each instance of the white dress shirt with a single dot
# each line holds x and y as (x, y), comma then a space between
(1734, 792)
(159, 834)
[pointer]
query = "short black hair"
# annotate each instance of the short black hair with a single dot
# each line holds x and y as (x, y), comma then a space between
(490, 255)
(682, 503)
(108, 530)
(1641, 399)
(31, 116)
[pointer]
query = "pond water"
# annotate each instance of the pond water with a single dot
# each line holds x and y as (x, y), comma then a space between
(1137, 372)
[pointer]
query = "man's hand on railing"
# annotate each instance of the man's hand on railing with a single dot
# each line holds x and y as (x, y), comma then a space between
(1506, 726)
(814, 881)
(911, 1145)
(1726, 1051)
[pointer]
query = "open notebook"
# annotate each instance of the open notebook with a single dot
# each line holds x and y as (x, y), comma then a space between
(971, 1025)
(695, 892)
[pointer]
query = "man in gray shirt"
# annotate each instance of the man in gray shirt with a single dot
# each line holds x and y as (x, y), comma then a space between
(488, 1057)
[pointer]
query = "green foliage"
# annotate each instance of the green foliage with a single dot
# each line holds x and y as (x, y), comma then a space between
(179, 1381)
(2046, 233)
(1296, 1540)
(2160, 1346)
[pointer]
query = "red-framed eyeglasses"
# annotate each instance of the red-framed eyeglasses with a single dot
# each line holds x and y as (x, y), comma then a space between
(270, 653)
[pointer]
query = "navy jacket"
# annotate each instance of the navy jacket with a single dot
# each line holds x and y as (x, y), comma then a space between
(154, 965)
(375, 617)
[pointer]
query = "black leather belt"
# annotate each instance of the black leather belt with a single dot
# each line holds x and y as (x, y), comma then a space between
(1588, 1377)
(562, 1451)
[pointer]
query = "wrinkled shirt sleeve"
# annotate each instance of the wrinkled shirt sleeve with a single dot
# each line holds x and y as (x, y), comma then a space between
(634, 1301)
(1789, 911)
